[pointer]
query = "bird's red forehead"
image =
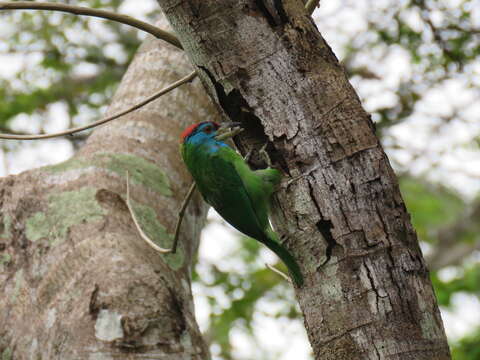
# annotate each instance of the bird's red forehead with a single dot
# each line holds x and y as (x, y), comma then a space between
(186, 133)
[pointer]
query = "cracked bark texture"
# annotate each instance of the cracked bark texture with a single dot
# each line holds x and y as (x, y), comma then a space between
(367, 293)
(77, 281)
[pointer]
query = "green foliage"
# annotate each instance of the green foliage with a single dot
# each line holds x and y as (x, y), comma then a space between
(58, 46)
(468, 348)
(243, 294)
(441, 41)
(467, 281)
(431, 206)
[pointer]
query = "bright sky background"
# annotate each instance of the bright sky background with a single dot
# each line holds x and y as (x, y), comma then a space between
(459, 168)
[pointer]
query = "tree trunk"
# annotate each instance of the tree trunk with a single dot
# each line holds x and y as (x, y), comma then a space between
(367, 293)
(77, 280)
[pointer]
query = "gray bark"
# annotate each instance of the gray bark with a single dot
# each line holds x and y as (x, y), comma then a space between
(77, 281)
(367, 293)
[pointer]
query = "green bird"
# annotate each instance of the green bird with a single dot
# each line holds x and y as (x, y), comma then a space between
(240, 195)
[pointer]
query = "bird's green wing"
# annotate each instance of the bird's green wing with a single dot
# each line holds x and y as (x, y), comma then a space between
(259, 185)
(223, 188)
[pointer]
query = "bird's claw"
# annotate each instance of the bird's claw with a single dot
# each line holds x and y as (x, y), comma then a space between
(248, 155)
(264, 153)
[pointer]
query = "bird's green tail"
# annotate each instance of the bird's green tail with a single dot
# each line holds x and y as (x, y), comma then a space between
(273, 244)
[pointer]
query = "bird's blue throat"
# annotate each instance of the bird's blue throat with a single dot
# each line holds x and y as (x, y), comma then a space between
(206, 141)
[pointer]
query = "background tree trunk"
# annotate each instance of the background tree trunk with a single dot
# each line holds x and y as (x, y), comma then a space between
(77, 281)
(367, 293)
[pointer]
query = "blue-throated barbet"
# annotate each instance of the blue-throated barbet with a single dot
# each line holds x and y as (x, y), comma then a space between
(240, 195)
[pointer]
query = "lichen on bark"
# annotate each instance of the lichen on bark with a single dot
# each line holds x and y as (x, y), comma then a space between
(5, 224)
(142, 171)
(63, 211)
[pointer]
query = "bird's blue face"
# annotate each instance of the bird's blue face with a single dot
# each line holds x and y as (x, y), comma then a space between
(201, 133)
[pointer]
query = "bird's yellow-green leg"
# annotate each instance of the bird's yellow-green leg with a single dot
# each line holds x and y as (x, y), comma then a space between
(248, 156)
(264, 153)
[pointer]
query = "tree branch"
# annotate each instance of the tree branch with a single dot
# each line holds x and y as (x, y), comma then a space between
(79, 10)
(155, 96)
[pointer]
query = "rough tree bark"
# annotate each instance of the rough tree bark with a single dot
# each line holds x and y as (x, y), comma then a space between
(77, 281)
(367, 293)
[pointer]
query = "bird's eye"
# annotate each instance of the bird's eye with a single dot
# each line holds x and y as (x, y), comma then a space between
(208, 129)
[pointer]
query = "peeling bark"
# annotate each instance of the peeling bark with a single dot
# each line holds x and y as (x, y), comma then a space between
(77, 280)
(367, 293)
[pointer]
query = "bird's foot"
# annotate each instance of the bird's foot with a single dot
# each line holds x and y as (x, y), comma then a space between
(263, 152)
(248, 155)
(283, 238)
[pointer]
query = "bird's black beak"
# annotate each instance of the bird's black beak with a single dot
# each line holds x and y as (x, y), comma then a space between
(228, 130)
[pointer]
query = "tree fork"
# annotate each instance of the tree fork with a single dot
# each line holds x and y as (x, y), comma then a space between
(367, 293)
